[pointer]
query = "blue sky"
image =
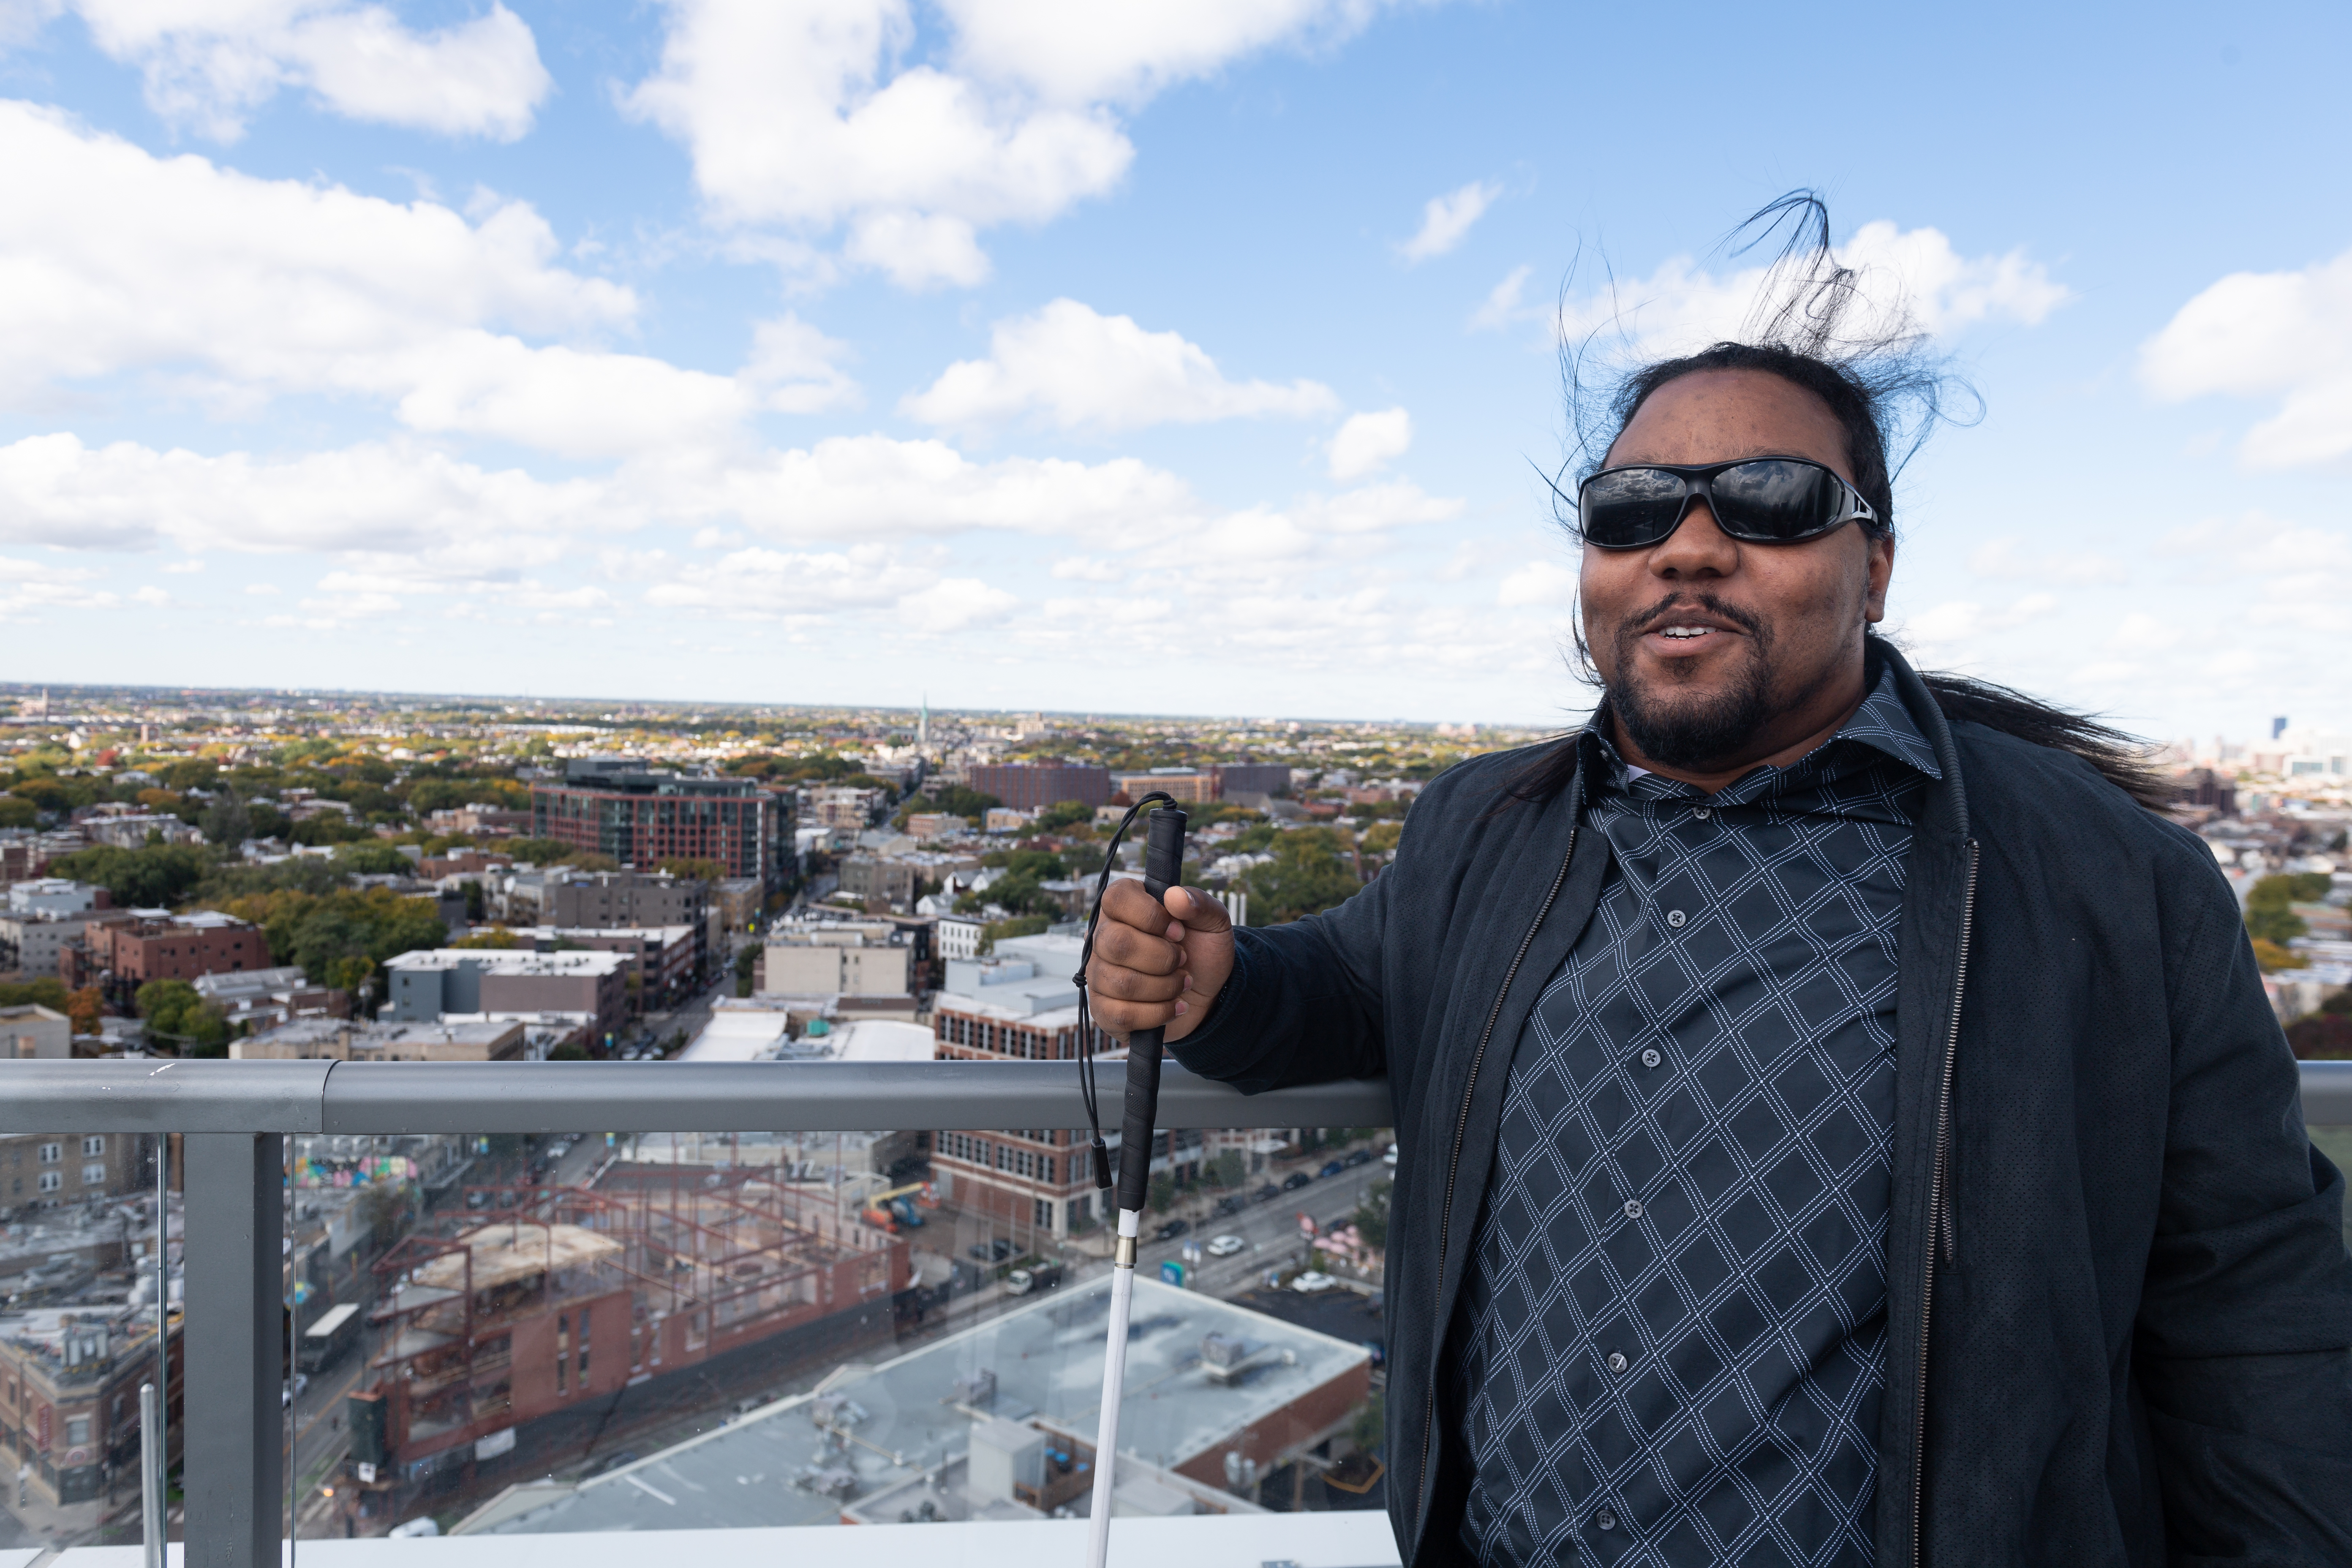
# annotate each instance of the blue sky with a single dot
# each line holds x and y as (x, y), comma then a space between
(1194, 358)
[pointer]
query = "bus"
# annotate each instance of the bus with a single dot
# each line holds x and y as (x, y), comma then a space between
(337, 1329)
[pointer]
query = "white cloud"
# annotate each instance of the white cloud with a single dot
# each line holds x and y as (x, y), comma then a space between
(2006, 560)
(1445, 220)
(793, 369)
(181, 568)
(240, 290)
(1080, 51)
(805, 115)
(1367, 441)
(955, 604)
(2275, 335)
(1078, 369)
(1503, 304)
(1543, 583)
(1681, 307)
(209, 64)
(26, 586)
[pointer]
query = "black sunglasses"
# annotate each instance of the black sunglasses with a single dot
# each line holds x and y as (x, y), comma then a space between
(1761, 500)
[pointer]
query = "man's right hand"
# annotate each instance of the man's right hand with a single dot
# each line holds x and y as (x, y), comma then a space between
(1158, 963)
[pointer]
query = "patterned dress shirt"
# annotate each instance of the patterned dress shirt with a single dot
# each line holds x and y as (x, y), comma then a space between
(1672, 1344)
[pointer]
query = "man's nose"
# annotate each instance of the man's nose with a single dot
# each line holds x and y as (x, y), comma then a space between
(1698, 549)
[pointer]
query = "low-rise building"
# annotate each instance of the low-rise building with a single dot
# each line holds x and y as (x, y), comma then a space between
(959, 936)
(134, 830)
(54, 896)
(119, 956)
(860, 958)
(33, 942)
(256, 999)
(29, 1031)
(662, 959)
(331, 1039)
(69, 1381)
(425, 987)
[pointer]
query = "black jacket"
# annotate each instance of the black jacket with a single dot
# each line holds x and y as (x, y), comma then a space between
(2119, 1304)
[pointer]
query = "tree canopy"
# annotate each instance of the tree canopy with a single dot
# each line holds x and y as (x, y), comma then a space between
(153, 877)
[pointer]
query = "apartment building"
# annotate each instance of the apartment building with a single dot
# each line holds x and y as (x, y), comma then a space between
(47, 1170)
(852, 958)
(421, 987)
(29, 1031)
(119, 956)
(641, 818)
(69, 1381)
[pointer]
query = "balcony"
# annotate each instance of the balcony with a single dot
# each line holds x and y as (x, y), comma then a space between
(894, 1447)
(888, 1434)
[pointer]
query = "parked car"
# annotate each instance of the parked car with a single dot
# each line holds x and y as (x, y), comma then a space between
(1266, 1193)
(1331, 1168)
(995, 1251)
(1171, 1231)
(1295, 1179)
(1313, 1280)
(1230, 1203)
(1361, 1157)
(1389, 1158)
(1225, 1245)
(415, 1527)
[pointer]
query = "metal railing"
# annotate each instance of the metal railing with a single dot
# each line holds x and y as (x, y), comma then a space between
(235, 1114)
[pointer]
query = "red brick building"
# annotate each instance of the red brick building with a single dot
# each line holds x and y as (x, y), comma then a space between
(643, 819)
(119, 956)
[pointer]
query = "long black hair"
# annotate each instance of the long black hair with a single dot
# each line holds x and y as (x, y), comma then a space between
(1879, 377)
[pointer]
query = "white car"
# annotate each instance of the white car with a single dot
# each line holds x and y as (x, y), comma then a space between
(1226, 1246)
(1314, 1279)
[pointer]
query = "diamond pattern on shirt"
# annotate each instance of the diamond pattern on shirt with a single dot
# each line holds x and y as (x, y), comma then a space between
(1672, 1343)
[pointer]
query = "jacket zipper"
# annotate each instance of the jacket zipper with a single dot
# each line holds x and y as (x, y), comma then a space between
(1461, 1127)
(1939, 1216)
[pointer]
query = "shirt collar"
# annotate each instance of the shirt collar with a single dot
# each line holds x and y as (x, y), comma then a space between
(1882, 723)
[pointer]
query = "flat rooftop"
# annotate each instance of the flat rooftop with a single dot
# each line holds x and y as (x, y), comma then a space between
(1048, 1362)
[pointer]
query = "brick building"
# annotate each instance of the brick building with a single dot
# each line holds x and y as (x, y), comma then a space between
(119, 956)
(1020, 1004)
(642, 819)
(70, 1382)
(1032, 786)
(47, 1170)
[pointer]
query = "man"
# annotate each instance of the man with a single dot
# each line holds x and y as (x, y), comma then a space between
(1838, 1122)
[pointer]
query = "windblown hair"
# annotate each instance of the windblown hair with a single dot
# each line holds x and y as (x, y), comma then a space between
(1868, 360)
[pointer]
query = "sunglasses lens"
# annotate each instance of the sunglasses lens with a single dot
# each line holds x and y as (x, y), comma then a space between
(1629, 507)
(1775, 501)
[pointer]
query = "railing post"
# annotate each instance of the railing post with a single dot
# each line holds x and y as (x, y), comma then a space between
(233, 1202)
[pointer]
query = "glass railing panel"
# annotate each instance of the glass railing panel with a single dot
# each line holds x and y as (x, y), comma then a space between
(80, 1331)
(601, 1333)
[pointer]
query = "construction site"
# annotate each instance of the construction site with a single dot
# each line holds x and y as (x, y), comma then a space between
(525, 1328)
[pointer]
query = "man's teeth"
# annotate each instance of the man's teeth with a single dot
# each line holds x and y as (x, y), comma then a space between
(1687, 631)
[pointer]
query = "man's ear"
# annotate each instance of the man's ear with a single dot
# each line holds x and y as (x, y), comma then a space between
(1880, 568)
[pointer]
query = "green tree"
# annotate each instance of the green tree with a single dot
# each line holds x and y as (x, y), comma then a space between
(225, 821)
(693, 869)
(995, 932)
(2269, 913)
(47, 992)
(175, 1012)
(1163, 1194)
(18, 812)
(155, 877)
(1310, 872)
(1066, 813)
(1227, 1170)
(743, 962)
(490, 937)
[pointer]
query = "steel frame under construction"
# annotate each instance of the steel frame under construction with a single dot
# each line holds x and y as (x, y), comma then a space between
(564, 1292)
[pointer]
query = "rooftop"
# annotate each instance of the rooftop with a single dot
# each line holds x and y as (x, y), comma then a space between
(913, 1414)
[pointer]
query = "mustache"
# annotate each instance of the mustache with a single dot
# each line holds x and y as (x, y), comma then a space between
(1745, 620)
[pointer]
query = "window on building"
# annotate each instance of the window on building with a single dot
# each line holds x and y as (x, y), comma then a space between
(51, 1181)
(1081, 1212)
(93, 1175)
(52, 1152)
(1041, 1214)
(94, 1144)
(77, 1431)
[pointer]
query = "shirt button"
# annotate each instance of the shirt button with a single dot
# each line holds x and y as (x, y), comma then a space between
(1633, 1208)
(1617, 1362)
(1651, 1058)
(1675, 918)
(1605, 1519)
(1702, 814)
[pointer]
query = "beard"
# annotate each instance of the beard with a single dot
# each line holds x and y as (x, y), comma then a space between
(1686, 728)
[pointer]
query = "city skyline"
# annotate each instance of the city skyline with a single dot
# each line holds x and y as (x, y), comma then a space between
(1030, 355)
